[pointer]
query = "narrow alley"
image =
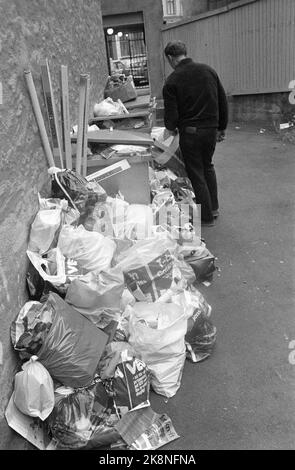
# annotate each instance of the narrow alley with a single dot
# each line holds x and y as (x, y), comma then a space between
(242, 397)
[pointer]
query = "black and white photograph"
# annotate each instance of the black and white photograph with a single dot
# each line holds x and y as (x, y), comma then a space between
(147, 230)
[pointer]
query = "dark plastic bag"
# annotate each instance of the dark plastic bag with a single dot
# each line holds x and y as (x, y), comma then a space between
(183, 190)
(203, 267)
(200, 338)
(29, 330)
(83, 418)
(111, 357)
(73, 347)
(130, 383)
(38, 288)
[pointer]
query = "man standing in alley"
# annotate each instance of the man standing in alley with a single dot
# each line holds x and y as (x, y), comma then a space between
(196, 106)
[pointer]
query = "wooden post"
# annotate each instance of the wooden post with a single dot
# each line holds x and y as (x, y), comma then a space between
(65, 116)
(51, 112)
(81, 114)
(39, 117)
(85, 127)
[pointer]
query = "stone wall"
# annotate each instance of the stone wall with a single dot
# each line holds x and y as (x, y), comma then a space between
(66, 32)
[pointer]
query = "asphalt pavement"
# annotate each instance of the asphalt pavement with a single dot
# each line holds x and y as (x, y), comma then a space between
(243, 396)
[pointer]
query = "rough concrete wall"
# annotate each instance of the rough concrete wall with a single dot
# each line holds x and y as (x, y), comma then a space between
(153, 22)
(66, 32)
(271, 108)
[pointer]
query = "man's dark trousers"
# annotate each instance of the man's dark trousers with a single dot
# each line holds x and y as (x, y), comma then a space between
(197, 147)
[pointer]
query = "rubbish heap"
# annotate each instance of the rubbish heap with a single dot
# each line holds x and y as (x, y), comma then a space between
(113, 312)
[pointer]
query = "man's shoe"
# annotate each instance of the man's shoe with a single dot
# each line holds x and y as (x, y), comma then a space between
(215, 213)
(208, 224)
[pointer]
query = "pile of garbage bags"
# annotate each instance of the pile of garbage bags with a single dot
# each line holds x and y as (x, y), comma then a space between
(113, 311)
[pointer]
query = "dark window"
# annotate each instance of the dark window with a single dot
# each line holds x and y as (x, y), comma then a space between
(171, 7)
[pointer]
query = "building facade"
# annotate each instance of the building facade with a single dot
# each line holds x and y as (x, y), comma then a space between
(250, 44)
(30, 32)
(175, 10)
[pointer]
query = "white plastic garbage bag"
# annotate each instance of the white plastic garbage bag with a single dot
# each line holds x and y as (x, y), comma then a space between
(157, 333)
(34, 390)
(139, 222)
(191, 301)
(52, 203)
(52, 268)
(96, 290)
(108, 107)
(196, 247)
(91, 250)
(117, 209)
(43, 229)
(150, 268)
(126, 299)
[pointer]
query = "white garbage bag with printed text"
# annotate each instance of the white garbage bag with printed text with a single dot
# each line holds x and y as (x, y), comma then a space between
(157, 332)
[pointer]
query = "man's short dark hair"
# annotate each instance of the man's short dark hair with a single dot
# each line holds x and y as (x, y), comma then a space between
(175, 49)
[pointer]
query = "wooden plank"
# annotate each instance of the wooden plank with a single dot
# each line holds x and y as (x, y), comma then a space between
(135, 114)
(81, 115)
(39, 117)
(101, 162)
(109, 171)
(51, 112)
(65, 116)
(140, 102)
(85, 127)
(117, 137)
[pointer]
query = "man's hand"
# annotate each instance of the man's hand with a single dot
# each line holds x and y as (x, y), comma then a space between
(168, 134)
(220, 136)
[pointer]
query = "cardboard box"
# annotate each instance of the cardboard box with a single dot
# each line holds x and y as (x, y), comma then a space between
(133, 182)
(124, 92)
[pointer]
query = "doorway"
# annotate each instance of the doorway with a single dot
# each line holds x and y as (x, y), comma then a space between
(126, 52)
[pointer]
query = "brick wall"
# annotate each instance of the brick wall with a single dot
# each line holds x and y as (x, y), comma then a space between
(66, 32)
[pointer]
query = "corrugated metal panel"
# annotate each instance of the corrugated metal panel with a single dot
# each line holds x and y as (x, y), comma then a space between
(252, 47)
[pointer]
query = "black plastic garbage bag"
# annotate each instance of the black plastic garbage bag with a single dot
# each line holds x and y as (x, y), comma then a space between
(81, 194)
(128, 378)
(83, 418)
(200, 338)
(29, 330)
(73, 346)
(38, 288)
(182, 190)
(203, 267)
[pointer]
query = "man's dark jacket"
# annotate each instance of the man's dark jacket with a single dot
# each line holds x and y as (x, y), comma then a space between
(193, 96)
